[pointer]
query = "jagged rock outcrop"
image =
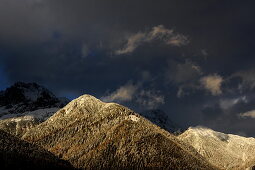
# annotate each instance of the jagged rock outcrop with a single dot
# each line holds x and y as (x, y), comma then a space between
(161, 119)
(92, 134)
(18, 154)
(225, 151)
(24, 105)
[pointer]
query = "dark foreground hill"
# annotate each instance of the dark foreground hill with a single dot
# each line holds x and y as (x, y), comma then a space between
(18, 154)
(95, 135)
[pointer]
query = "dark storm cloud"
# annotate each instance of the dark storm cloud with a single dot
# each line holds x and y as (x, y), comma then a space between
(70, 47)
(24, 22)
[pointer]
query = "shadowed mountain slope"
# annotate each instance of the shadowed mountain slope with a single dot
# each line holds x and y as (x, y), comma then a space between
(18, 154)
(92, 134)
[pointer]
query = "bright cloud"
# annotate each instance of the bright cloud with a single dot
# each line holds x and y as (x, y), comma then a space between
(212, 83)
(168, 36)
(132, 43)
(250, 114)
(123, 94)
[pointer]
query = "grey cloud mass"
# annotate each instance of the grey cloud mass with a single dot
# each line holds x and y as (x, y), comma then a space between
(247, 78)
(150, 99)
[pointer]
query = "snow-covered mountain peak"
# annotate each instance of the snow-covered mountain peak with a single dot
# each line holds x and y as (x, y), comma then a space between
(33, 91)
(206, 132)
(87, 99)
(203, 131)
(25, 92)
(24, 105)
(23, 97)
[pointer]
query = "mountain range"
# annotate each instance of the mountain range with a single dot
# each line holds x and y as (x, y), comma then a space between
(25, 105)
(92, 134)
(39, 131)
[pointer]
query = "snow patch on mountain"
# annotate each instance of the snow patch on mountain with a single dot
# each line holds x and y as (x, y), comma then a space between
(40, 114)
(134, 118)
(18, 124)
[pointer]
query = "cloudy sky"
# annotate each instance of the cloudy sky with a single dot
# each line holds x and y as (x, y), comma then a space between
(193, 59)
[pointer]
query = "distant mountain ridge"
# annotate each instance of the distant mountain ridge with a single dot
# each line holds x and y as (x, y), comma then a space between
(225, 151)
(22, 97)
(161, 119)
